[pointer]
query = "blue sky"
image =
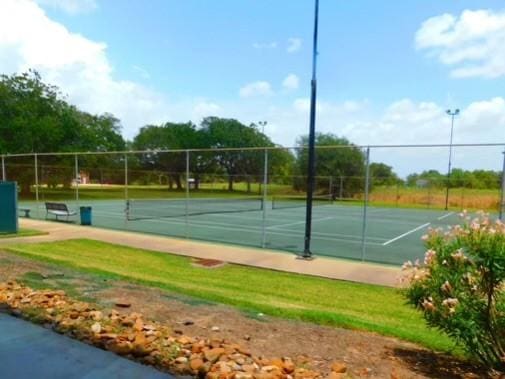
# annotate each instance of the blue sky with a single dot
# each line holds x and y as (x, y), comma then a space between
(204, 48)
(387, 70)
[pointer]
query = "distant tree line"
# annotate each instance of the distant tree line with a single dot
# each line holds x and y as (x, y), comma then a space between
(477, 179)
(36, 118)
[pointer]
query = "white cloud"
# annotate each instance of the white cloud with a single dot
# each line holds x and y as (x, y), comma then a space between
(70, 6)
(291, 82)
(302, 105)
(144, 74)
(79, 66)
(265, 45)
(471, 44)
(260, 88)
(403, 122)
(294, 45)
(204, 109)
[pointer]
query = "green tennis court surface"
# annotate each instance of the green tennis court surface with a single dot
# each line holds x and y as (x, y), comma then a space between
(392, 235)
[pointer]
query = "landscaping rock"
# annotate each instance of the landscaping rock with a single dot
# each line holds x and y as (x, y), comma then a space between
(147, 341)
(338, 367)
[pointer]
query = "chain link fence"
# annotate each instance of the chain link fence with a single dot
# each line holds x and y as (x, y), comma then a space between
(371, 203)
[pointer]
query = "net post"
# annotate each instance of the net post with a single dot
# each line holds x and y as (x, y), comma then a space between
(502, 200)
(36, 183)
(187, 195)
(265, 183)
(77, 179)
(3, 168)
(365, 205)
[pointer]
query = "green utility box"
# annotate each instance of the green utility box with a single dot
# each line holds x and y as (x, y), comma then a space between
(8, 207)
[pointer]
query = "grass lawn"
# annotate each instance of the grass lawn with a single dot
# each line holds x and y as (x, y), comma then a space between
(292, 296)
(22, 233)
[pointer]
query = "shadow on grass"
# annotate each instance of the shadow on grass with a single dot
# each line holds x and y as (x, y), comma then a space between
(440, 366)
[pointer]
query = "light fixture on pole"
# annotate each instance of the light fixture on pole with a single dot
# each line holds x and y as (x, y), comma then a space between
(262, 124)
(452, 113)
(307, 254)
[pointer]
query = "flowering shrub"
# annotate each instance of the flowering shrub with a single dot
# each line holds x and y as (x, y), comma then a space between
(460, 286)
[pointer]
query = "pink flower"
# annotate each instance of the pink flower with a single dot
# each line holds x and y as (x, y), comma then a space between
(428, 305)
(450, 302)
(446, 287)
(407, 265)
(458, 256)
(429, 256)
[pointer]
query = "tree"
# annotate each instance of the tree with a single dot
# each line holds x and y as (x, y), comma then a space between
(459, 178)
(487, 179)
(381, 174)
(431, 178)
(35, 118)
(343, 164)
(237, 164)
(168, 136)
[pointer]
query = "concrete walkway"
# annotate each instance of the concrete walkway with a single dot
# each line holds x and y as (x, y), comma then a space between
(29, 351)
(321, 266)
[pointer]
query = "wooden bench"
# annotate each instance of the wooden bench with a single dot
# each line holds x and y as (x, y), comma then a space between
(26, 211)
(59, 210)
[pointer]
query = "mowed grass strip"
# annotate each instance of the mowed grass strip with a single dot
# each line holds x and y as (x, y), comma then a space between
(323, 301)
(23, 233)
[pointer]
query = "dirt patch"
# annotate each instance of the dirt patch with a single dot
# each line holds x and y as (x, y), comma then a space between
(309, 345)
(207, 263)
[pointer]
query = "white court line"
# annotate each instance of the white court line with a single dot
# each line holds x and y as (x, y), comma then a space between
(229, 227)
(249, 227)
(406, 234)
(351, 216)
(446, 215)
(297, 223)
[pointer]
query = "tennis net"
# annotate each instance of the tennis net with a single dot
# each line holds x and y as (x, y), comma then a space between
(282, 202)
(142, 209)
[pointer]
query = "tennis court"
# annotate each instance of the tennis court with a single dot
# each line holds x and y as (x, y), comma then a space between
(392, 235)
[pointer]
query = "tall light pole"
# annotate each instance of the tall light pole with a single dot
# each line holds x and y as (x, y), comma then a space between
(262, 124)
(452, 113)
(307, 254)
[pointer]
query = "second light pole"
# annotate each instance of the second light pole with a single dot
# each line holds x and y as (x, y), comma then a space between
(262, 124)
(452, 113)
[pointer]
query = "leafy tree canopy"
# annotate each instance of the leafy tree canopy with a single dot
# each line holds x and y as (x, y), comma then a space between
(34, 117)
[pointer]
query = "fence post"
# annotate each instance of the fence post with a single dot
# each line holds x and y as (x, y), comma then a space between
(3, 168)
(187, 194)
(365, 205)
(36, 184)
(428, 203)
(462, 201)
(397, 193)
(502, 201)
(264, 201)
(127, 201)
(77, 179)
(341, 188)
(330, 189)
